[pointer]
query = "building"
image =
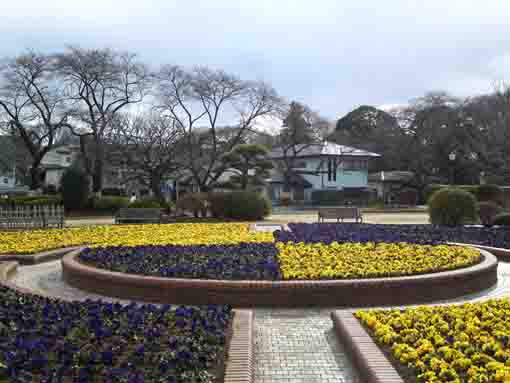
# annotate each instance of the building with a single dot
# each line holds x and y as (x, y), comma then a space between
(55, 163)
(317, 167)
(391, 187)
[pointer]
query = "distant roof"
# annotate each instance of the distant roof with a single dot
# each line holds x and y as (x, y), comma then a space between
(325, 149)
(391, 176)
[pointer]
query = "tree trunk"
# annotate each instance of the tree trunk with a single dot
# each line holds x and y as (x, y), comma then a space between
(156, 186)
(244, 181)
(35, 176)
(97, 176)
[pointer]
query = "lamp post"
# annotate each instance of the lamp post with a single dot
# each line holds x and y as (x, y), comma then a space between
(452, 156)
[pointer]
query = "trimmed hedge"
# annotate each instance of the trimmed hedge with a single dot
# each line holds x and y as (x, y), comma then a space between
(502, 219)
(148, 203)
(481, 192)
(109, 203)
(339, 197)
(32, 200)
(239, 205)
(452, 207)
(75, 189)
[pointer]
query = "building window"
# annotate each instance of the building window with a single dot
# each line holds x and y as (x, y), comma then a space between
(6, 180)
(331, 170)
(68, 160)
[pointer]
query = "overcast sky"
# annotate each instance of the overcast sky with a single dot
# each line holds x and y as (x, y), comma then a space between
(333, 55)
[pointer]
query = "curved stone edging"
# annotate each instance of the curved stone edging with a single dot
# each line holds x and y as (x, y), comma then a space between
(355, 292)
(7, 269)
(44, 256)
(368, 358)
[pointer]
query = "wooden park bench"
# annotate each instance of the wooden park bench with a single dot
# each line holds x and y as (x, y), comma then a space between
(340, 213)
(139, 215)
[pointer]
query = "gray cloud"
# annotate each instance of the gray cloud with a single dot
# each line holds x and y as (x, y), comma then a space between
(330, 55)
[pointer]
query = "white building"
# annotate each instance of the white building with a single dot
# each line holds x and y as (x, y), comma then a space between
(325, 166)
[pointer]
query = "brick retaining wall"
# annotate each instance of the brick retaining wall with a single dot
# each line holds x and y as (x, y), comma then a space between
(354, 292)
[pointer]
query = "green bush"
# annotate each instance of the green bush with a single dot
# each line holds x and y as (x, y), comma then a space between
(75, 189)
(430, 190)
(452, 207)
(240, 205)
(195, 203)
(327, 197)
(502, 219)
(116, 192)
(32, 200)
(487, 210)
(147, 203)
(340, 197)
(488, 193)
(109, 203)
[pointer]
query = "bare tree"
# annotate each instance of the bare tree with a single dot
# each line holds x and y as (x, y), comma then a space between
(32, 106)
(99, 84)
(215, 110)
(436, 126)
(302, 128)
(149, 144)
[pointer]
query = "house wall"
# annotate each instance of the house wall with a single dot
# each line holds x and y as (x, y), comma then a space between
(7, 181)
(53, 177)
(357, 178)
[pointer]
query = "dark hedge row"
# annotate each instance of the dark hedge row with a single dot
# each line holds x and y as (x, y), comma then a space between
(51, 341)
(248, 261)
(420, 234)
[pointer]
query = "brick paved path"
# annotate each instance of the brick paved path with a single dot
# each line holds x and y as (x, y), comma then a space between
(291, 345)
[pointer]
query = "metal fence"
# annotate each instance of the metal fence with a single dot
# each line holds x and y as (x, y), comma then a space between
(31, 216)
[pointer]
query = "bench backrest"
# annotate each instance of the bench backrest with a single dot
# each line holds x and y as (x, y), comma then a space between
(139, 213)
(339, 212)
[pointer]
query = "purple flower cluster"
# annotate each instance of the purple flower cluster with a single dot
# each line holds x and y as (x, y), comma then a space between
(51, 341)
(420, 234)
(252, 261)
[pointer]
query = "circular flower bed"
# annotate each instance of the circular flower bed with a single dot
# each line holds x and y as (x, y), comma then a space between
(369, 260)
(27, 242)
(289, 261)
(257, 261)
(43, 340)
(420, 234)
(466, 343)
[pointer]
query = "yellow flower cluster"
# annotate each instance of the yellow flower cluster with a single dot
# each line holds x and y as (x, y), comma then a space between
(469, 343)
(26, 242)
(357, 260)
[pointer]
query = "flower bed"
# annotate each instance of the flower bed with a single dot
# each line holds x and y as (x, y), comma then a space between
(288, 261)
(232, 262)
(28, 242)
(369, 260)
(466, 343)
(43, 340)
(421, 234)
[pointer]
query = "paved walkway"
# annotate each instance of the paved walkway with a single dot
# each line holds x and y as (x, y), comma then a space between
(291, 345)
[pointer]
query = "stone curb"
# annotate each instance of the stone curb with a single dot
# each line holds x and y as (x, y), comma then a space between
(355, 292)
(240, 360)
(45, 256)
(368, 358)
(239, 368)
